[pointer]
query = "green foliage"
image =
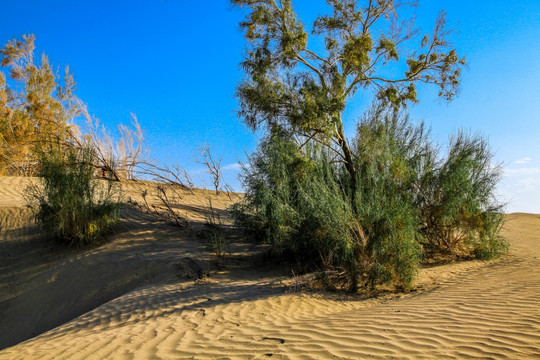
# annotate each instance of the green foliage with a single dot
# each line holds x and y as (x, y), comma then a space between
(458, 207)
(304, 91)
(71, 206)
(265, 211)
(296, 204)
(213, 230)
(388, 149)
(355, 207)
(35, 106)
(489, 243)
(299, 200)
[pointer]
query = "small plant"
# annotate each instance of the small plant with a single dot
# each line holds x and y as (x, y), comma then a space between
(71, 206)
(167, 211)
(214, 233)
(213, 166)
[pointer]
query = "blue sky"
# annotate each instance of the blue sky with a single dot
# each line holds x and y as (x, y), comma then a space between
(174, 63)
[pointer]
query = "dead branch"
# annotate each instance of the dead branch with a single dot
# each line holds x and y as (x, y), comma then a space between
(213, 166)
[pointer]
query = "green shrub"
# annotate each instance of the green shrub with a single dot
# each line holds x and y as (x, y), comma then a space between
(388, 155)
(214, 233)
(488, 243)
(267, 211)
(406, 203)
(459, 211)
(296, 203)
(328, 229)
(71, 206)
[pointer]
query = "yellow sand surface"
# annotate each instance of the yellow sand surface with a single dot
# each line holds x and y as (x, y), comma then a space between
(135, 297)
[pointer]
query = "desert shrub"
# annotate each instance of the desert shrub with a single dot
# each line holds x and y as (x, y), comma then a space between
(266, 212)
(328, 229)
(71, 206)
(405, 203)
(35, 104)
(388, 153)
(457, 204)
(488, 242)
(214, 232)
(296, 202)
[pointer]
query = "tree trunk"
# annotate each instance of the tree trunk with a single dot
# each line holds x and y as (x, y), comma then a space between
(360, 246)
(349, 165)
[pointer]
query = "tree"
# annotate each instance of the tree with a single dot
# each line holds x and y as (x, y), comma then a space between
(212, 165)
(38, 105)
(305, 90)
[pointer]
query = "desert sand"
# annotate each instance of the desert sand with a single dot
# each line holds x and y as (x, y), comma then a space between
(140, 296)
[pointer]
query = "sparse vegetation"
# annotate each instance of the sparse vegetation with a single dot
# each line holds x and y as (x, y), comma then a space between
(214, 232)
(70, 205)
(212, 165)
(38, 136)
(166, 210)
(370, 208)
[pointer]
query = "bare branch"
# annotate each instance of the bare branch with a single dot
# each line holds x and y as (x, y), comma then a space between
(213, 166)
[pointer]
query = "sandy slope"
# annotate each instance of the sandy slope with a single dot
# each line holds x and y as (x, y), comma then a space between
(466, 310)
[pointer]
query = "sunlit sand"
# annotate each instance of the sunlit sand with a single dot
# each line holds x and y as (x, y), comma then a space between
(135, 298)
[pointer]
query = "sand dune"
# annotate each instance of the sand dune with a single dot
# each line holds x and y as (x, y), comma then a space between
(139, 305)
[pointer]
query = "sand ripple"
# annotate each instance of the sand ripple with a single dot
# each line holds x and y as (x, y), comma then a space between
(474, 310)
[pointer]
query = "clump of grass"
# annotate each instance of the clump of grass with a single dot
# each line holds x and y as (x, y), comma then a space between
(70, 205)
(214, 232)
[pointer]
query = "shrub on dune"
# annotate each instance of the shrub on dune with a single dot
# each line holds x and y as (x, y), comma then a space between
(456, 199)
(409, 202)
(71, 206)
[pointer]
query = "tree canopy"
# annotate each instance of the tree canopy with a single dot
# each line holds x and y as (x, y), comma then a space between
(36, 104)
(39, 106)
(304, 89)
(373, 205)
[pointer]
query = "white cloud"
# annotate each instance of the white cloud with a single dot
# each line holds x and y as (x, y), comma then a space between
(523, 160)
(528, 184)
(524, 171)
(234, 166)
(520, 188)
